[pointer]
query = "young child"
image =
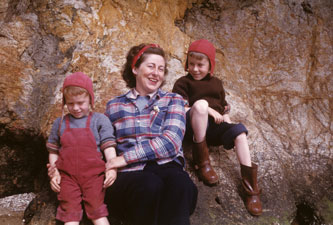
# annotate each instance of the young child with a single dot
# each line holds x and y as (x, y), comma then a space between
(75, 145)
(208, 121)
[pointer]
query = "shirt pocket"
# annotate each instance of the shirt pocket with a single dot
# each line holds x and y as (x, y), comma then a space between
(157, 118)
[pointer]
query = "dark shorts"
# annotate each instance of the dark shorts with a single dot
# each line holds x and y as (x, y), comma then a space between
(217, 134)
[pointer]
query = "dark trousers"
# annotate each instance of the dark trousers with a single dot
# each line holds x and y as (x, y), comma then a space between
(158, 195)
(217, 134)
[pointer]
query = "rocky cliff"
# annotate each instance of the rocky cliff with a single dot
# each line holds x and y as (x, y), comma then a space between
(275, 57)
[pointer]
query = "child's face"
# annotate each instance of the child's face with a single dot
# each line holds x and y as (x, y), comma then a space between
(198, 68)
(78, 105)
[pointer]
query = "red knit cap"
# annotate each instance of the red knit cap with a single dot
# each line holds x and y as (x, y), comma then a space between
(79, 79)
(205, 47)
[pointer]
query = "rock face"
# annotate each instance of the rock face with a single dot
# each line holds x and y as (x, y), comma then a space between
(275, 57)
(12, 208)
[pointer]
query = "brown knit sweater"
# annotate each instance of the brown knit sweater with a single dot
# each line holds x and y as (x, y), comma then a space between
(209, 88)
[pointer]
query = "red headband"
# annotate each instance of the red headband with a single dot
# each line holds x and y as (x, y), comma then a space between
(137, 56)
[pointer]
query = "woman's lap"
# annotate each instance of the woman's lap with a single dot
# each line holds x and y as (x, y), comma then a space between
(157, 190)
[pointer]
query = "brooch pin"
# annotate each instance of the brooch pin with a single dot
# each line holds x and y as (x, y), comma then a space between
(156, 109)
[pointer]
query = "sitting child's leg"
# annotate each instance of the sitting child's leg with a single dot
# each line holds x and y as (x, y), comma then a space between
(242, 150)
(249, 175)
(252, 190)
(199, 120)
(200, 151)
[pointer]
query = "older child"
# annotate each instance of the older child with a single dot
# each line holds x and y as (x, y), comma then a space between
(208, 121)
(75, 145)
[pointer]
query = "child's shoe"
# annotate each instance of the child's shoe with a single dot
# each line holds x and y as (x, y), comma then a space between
(201, 161)
(252, 191)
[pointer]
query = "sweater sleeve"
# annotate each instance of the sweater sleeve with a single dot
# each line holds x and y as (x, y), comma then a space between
(53, 142)
(180, 87)
(224, 102)
(106, 132)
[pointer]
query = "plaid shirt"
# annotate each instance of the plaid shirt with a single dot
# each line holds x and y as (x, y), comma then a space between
(153, 134)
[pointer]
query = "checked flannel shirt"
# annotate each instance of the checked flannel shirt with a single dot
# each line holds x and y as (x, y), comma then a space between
(153, 134)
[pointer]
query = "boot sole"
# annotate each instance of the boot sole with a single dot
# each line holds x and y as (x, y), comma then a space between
(207, 183)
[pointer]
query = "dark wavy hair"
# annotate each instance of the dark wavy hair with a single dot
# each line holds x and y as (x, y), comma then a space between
(127, 73)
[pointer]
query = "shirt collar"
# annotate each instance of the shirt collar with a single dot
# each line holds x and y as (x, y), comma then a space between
(133, 94)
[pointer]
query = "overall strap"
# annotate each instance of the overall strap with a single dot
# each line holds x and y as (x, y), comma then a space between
(67, 122)
(88, 120)
(60, 124)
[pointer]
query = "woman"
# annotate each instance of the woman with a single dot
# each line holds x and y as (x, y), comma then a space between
(151, 186)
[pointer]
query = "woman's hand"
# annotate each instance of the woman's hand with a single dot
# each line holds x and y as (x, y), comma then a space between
(110, 177)
(55, 177)
(115, 163)
(51, 169)
(55, 181)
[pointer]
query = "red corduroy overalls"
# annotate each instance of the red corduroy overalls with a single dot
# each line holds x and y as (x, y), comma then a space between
(82, 175)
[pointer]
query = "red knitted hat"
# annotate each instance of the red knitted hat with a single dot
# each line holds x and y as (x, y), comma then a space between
(79, 79)
(205, 47)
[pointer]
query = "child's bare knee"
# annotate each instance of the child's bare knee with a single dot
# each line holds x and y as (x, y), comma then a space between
(200, 106)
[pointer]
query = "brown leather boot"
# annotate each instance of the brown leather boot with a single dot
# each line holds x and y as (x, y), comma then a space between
(206, 173)
(252, 191)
